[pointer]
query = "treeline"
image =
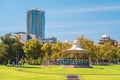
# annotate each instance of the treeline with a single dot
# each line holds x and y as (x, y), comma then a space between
(12, 51)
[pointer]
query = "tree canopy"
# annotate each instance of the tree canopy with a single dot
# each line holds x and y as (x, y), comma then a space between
(33, 52)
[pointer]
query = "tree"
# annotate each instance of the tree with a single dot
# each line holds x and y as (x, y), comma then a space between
(118, 55)
(47, 52)
(107, 52)
(33, 52)
(8, 47)
(3, 53)
(57, 49)
(87, 44)
(95, 54)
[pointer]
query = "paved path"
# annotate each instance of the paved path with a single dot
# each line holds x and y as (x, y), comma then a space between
(72, 77)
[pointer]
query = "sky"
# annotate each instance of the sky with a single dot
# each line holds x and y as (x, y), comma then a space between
(65, 19)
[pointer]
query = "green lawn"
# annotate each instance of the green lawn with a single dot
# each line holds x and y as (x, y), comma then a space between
(110, 72)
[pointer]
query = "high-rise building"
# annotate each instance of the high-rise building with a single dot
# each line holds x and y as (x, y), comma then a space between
(36, 23)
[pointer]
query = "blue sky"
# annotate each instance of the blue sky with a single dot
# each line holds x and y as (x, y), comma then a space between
(65, 19)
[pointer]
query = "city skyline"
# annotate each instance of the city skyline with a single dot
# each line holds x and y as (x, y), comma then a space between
(66, 19)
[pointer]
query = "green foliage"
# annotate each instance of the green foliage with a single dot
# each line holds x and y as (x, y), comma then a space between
(101, 52)
(8, 48)
(33, 52)
(36, 53)
(86, 43)
(57, 50)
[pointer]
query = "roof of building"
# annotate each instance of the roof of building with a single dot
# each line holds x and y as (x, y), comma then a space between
(36, 9)
(76, 46)
(105, 36)
(19, 33)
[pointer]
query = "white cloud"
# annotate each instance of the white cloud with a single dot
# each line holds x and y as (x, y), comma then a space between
(108, 22)
(71, 33)
(76, 33)
(66, 25)
(88, 9)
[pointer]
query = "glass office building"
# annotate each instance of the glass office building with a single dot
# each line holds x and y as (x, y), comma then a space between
(36, 23)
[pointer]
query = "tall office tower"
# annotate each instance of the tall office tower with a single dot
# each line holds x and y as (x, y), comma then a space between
(36, 23)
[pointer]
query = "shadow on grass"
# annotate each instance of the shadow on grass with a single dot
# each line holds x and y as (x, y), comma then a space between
(101, 66)
(34, 67)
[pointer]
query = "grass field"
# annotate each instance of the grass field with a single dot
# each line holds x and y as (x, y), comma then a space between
(110, 72)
